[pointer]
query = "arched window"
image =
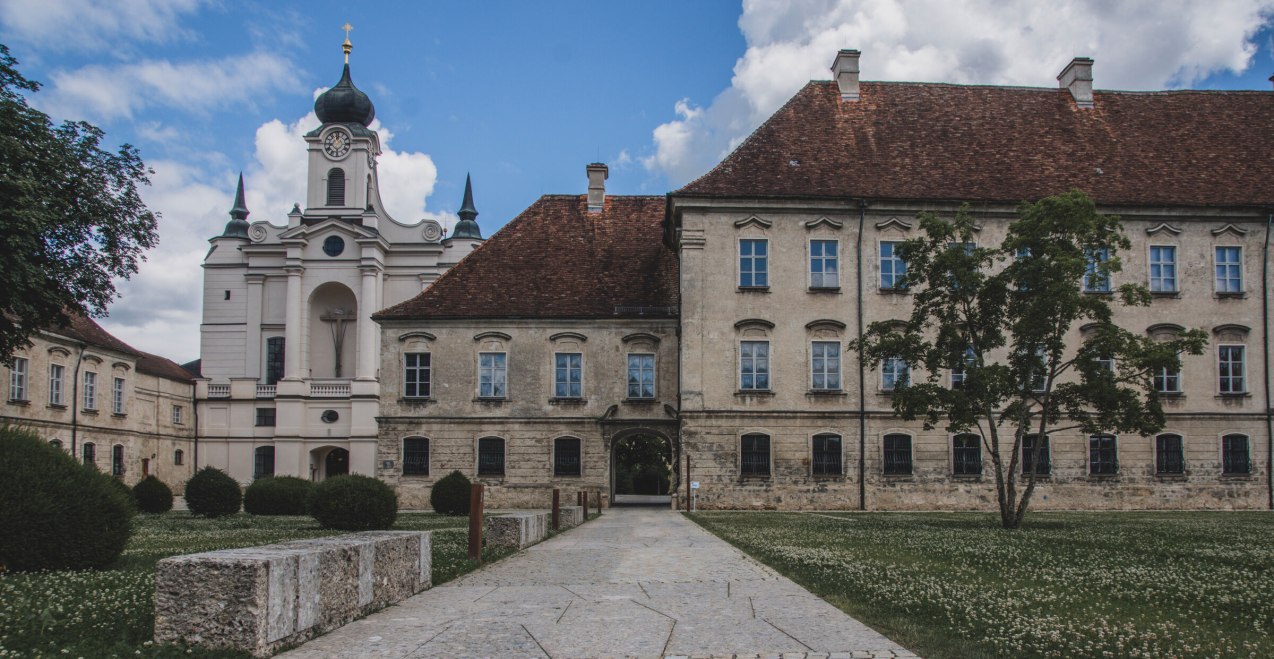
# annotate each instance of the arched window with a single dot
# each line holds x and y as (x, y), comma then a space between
(491, 456)
(336, 187)
(416, 456)
(263, 463)
(117, 460)
(827, 454)
(1234, 455)
(57, 444)
(754, 455)
(566, 456)
(898, 454)
(966, 455)
(89, 453)
(1169, 454)
(179, 457)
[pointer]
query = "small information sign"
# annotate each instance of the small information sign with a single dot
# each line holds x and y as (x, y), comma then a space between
(694, 485)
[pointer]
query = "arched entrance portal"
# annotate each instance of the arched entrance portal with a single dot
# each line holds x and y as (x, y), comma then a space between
(328, 461)
(641, 468)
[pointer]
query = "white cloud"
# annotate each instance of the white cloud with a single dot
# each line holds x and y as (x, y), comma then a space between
(94, 25)
(199, 86)
(1143, 44)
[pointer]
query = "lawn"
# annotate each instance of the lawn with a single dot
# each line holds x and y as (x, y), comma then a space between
(1066, 585)
(112, 612)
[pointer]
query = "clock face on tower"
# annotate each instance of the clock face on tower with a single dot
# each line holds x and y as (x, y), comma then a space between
(336, 144)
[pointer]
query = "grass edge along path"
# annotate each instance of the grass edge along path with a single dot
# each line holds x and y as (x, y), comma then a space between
(1123, 584)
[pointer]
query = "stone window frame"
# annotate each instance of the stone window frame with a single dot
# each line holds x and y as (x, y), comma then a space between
(499, 366)
(178, 415)
(553, 448)
(260, 462)
(1106, 286)
(764, 272)
(117, 396)
(56, 443)
(758, 331)
(19, 380)
(179, 457)
(491, 343)
(769, 459)
(1167, 332)
(88, 453)
(570, 395)
(335, 198)
(504, 456)
(813, 453)
(426, 369)
(1109, 467)
(273, 370)
(1227, 349)
(1175, 265)
(893, 259)
(824, 330)
(899, 370)
(1221, 453)
(57, 385)
(840, 371)
(263, 420)
(117, 460)
(654, 371)
(960, 373)
(1155, 452)
(89, 391)
(1216, 280)
(809, 263)
(1047, 456)
(951, 447)
(892, 469)
(428, 454)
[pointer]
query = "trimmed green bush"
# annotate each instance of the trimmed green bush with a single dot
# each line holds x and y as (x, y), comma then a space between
(153, 495)
(278, 495)
(56, 513)
(450, 495)
(213, 493)
(118, 484)
(354, 503)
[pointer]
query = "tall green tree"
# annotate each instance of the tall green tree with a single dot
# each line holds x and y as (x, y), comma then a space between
(1028, 323)
(71, 217)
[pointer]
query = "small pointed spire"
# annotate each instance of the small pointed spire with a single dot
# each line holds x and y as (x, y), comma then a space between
(237, 227)
(467, 227)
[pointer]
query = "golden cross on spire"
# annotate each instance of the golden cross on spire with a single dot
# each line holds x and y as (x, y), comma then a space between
(347, 46)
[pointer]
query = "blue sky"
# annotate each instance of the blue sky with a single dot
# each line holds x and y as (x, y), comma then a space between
(523, 95)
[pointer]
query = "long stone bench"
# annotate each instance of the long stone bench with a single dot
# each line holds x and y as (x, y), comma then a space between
(259, 599)
(523, 528)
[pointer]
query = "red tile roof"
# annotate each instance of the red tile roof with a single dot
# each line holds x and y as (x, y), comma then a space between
(557, 260)
(979, 143)
(85, 329)
(163, 367)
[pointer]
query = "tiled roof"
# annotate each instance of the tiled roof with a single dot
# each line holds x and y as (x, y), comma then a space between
(978, 143)
(162, 367)
(82, 328)
(557, 260)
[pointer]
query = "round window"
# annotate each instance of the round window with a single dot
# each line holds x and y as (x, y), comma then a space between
(330, 416)
(333, 246)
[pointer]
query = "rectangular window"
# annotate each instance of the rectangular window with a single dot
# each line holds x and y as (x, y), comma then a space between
(117, 460)
(1096, 281)
(117, 396)
(263, 464)
(754, 365)
(892, 268)
(1103, 455)
(1028, 452)
(1229, 269)
(18, 379)
(274, 351)
(1234, 455)
(416, 456)
(1106, 363)
(491, 456)
(89, 452)
(959, 373)
(177, 414)
(416, 374)
(1163, 269)
(753, 263)
(1169, 454)
(90, 390)
(265, 416)
(755, 455)
(1230, 367)
(492, 375)
(827, 455)
(898, 455)
(1039, 371)
(568, 374)
(893, 373)
(56, 373)
(641, 376)
(825, 365)
(1168, 382)
(966, 455)
(566, 456)
(824, 264)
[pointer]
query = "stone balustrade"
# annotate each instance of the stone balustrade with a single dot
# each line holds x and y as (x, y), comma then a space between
(259, 599)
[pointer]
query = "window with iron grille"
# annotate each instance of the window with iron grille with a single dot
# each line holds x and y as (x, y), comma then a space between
(18, 379)
(641, 376)
(1095, 280)
(966, 455)
(753, 263)
(336, 187)
(56, 373)
(568, 374)
(1230, 367)
(1028, 453)
(825, 365)
(827, 455)
(117, 460)
(1163, 269)
(824, 264)
(416, 374)
(274, 351)
(1169, 454)
(90, 390)
(1229, 269)
(492, 375)
(898, 454)
(893, 373)
(491, 456)
(416, 456)
(892, 268)
(263, 462)
(1234, 455)
(117, 396)
(754, 455)
(265, 416)
(754, 365)
(1167, 382)
(89, 453)
(1103, 455)
(566, 456)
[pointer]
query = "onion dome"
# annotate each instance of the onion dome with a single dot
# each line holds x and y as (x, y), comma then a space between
(467, 227)
(237, 227)
(344, 103)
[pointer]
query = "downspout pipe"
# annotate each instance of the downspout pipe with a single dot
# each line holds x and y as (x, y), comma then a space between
(1265, 346)
(194, 407)
(862, 373)
(75, 401)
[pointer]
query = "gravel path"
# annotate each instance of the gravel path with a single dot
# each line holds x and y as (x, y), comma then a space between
(634, 582)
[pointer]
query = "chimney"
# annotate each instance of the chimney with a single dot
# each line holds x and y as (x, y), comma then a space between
(845, 71)
(1077, 77)
(597, 175)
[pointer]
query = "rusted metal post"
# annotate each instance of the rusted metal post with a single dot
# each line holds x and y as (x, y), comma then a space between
(687, 483)
(557, 509)
(475, 522)
(599, 502)
(579, 501)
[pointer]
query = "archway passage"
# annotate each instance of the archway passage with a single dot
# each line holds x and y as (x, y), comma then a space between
(336, 463)
(641, 469)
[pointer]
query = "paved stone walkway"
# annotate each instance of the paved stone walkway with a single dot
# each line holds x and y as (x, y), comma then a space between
(634, 582)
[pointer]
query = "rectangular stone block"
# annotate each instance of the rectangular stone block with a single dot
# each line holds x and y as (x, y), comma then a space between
(571, 516)
(518, 530)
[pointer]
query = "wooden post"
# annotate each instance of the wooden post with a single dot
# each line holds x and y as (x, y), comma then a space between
(687, 481)
(475, 522)
(579, 501)
(599, 502)
(557, 509)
